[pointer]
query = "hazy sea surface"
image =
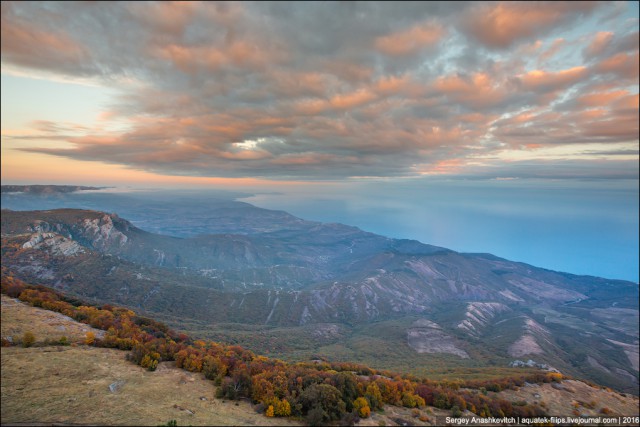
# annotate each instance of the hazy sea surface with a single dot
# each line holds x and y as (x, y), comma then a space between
(585, 227)
(580, 227)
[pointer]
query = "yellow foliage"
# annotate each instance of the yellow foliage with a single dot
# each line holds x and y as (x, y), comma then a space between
(555, 376)
(149, 363)
(270, 412)
(282, 408)
(362, 407)
(90, 339)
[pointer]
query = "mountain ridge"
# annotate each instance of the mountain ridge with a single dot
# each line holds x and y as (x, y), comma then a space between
(336, 275)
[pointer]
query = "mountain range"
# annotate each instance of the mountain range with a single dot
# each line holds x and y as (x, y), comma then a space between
(301, 289)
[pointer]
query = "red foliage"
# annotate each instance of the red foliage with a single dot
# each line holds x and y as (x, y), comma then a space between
(240, 373)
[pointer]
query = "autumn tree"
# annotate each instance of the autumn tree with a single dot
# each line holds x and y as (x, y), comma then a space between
(325, 397)
(373, 395)
(361, 406)
(90, 338)
(270, 411)
(150, 361)
(281, 408)
(346, 383)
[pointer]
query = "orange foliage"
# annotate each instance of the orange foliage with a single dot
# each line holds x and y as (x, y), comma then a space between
(283, 388)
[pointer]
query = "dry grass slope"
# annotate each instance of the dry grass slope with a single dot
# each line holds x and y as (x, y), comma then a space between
(70, 385)
(572, 395)
(18, 318)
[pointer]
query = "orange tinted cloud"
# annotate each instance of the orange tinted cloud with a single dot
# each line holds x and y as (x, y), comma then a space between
(392, 84)
(443, 167)
(549, 80)
(35, 47)
(353, 99)
(600, 41)
(630, 102)
(499, 25)
(254, 89)
(479, 90)
(623, 64)
(166, 16)
(410, 41)
(600, 98)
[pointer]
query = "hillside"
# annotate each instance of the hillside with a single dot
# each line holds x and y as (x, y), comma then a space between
(70, 385)
(82, 384)
(346, 294)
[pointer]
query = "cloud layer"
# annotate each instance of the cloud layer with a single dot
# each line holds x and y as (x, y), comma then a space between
(331, 90)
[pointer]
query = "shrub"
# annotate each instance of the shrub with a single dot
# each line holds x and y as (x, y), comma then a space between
(456, 412)
(28, 339)
(90, 338)
(361, 406)
(316, 416)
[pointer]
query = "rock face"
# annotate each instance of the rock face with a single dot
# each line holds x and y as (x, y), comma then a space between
(98, 231)
(524, 346)
(54, 243)
(527, 344)
(425, 336)
(102, 233)
(479, 315)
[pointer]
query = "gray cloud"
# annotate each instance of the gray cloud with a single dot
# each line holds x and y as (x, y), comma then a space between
(314, 90)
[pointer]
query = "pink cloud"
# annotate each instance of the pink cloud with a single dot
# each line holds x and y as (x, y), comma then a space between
(245, 155)
(444, 167)
(392, 84)
(627, 103)
(600, 41)
(499, 25)
(410, 41)
(166, 17)
(624, 65)
(351, 100)
(540, 80)
(477, 91)
(599, 99)
(41, 48)
(240, 53)
(310, 106)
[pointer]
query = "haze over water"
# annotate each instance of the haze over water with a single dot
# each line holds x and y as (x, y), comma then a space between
(582, 228)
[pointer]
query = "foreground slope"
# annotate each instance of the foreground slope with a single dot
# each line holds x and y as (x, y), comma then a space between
(71, 385)
(79, 384)
(423, 300)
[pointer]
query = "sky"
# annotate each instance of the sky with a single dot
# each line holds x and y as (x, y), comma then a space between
(489, 102)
